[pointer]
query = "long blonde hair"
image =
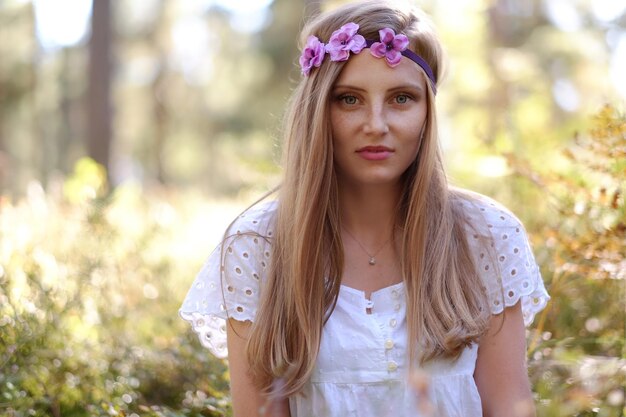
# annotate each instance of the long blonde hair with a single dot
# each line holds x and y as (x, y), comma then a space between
(446, 306)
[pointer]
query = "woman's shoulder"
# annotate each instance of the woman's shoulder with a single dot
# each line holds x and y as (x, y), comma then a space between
(484, 215)
(489, 225)
(502, 255)
(229, 283)
(257, 219)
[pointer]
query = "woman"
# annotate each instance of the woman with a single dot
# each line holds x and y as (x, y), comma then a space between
(370, 287)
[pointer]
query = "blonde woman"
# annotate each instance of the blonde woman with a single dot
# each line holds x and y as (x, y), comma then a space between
(370, 286)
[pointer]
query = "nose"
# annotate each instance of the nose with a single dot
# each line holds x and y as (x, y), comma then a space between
(376, 123)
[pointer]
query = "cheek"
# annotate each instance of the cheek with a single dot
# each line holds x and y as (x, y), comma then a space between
(414, 136)
(340, 127)
(412, 131)
(420, 125)
(413, 149)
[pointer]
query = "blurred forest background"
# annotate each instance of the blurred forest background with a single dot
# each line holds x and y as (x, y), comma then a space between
(131, 132)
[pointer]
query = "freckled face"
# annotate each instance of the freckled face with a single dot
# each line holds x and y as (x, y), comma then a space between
(377, 113)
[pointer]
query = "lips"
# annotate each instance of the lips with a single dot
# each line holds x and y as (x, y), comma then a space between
(374, 153)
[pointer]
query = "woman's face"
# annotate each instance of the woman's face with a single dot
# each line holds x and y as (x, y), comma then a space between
(377, 114)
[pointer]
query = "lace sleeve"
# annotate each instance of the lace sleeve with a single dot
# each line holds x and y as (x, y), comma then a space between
(228, 284)
(504, 258)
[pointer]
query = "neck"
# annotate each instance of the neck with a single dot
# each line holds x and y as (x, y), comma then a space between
(369, 212)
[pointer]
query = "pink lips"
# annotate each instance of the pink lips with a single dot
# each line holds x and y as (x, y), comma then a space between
(374, 153)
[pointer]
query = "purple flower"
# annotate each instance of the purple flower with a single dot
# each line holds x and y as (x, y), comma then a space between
(344, 40)
(312, 54)
(390, 46)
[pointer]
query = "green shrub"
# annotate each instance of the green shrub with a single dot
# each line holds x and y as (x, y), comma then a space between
(577, 354)
(89, 289)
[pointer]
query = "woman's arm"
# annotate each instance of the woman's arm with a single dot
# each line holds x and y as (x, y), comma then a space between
(247, 399)
(501, 375)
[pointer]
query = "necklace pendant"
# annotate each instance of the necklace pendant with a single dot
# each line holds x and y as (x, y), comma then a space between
(372, 260)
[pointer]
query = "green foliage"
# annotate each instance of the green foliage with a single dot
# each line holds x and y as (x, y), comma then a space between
(578, 353)
(87, 324)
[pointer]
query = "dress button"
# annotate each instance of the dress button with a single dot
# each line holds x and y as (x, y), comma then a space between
(389, 344)
(397, 307)
(393, 322)
(392, 366)
(395, 294)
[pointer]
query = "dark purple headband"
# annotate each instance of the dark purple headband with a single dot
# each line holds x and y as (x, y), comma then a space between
(345, 40)
(415, 58)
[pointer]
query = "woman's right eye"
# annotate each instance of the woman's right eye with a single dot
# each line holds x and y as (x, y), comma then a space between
(348, 99)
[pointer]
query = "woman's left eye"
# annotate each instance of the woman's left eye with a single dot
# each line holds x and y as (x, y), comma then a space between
(402, 98)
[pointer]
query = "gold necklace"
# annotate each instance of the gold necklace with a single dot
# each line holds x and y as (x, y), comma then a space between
(372, 257)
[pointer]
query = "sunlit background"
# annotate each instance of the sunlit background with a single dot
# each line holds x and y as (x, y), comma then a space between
(204, 81)
(131, 132)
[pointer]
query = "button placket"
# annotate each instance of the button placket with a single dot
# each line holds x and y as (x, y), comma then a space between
(394, 303)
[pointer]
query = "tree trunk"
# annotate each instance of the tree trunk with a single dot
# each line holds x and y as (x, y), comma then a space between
(100, 114)
(159, 92)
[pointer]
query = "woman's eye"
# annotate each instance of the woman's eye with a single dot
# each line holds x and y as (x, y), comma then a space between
(350, 100)
(402, 99)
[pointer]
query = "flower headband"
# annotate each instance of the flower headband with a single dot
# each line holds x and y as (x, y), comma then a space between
(392, 47)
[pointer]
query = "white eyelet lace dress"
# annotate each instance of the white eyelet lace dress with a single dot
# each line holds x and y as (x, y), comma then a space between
(361, 368)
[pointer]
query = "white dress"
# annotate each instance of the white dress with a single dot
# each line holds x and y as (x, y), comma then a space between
(361, 368)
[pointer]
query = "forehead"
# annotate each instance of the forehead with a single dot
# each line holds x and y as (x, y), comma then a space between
(364, 70)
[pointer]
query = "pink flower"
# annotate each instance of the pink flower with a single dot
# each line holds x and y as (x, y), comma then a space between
(390, 46)
(312, 54)
(343, 41)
